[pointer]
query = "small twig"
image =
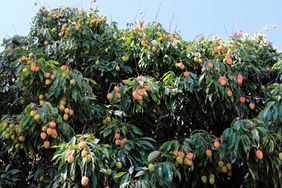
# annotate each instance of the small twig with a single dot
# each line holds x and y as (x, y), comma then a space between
(171, 22)
(158, 10)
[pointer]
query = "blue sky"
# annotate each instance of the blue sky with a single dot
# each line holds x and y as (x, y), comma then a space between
(191, 18)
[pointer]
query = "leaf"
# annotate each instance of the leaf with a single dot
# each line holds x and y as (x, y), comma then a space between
(53, 62)
(255, 134)
(120, 174)
(140, 173)
(153, 155)
(74, 94)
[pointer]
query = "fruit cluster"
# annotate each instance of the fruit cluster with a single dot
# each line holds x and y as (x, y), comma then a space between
(11, 131)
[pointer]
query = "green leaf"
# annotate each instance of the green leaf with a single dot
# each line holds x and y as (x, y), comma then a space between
(153, 155)
(120, 174)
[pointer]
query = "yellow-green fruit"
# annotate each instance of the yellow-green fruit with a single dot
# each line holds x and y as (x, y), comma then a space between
(125, 58)
(229, 173)
(224, 169)
(21, 138)
(117, 68)
(47, 82)
(44, 128)
(13, 137)
(188, 162)
(83, 153)
(118, 165)
(204, 179)
(6, 136)
(72, 82)
(62, 107)
(25, 70)
(5, 124)
(229, 166)
(32, 113)
(89, 158)
(37, 117)
(108, 119)
(21, 146)
(41, 97)
(211, 176)
(63, 102)
(66, 117)
(280, 156)
(211, 180)
(179, 159)
(108, 171)
(154, 49)
(151, 167)
(97, 62)
(54, 30)
(220, 164)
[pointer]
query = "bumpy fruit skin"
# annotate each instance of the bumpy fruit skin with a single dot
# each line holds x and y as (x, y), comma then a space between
(229, 93)
(63, 67)
(89, 158)
(52, 124)
(188, 162)
(220, 164)
(109, 96)
(216, 144)
(280, 156)
(229, 166)
(151, 168)
(72, 82)
(82, 144)
(224, 169)
(210, 65)
(190, 155)
(117, 135)
(252, 106)
(46, 144)
(117, 68)
(70, 159)
(242, 99)
(116, 88)
(66, 117)
(108, 171)
(211, 180)
(181, 66)
(43, 136)
(222, 81)
(125, 58)
(204, 179)
(37, 117)
(259, 154)
(83, 153)
(208, 153)
(118, 165)
(179, 159)
(84, 181)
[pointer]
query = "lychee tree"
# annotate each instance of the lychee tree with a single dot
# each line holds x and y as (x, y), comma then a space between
(87, 104)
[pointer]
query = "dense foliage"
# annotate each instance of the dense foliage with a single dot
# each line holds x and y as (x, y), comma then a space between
(84, 103)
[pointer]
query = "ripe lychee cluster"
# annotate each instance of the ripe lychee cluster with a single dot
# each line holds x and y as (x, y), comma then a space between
(66, 110)
(119, 141)
(49, 78)
(182, 158)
